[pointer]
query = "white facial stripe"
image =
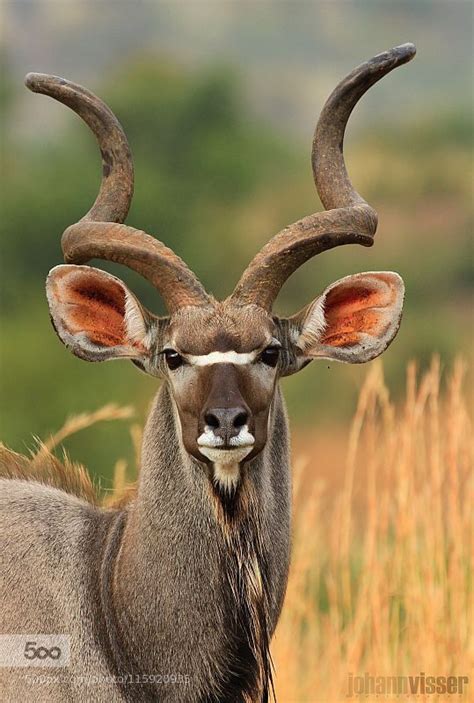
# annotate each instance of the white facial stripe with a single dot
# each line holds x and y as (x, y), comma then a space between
(229, 357)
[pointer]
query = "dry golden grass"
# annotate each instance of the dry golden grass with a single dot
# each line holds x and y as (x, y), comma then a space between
(389, 590)
(382, 575)
(43, 466)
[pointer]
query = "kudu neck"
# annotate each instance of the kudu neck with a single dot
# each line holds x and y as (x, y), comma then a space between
(171, 598)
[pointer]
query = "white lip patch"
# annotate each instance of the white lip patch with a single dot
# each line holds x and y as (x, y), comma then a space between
(226, 461)
(210, 440)
(228, 357)
(243, 439)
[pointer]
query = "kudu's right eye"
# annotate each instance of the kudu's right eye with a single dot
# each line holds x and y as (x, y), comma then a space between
(173, 359)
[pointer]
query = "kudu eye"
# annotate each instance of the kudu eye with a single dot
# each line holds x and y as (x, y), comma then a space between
(173, 359)
(270, 356)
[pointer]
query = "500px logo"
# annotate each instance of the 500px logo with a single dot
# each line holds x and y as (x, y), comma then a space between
(45, 650)
(33, 652)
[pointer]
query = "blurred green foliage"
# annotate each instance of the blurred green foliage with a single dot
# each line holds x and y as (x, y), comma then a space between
(214, 183)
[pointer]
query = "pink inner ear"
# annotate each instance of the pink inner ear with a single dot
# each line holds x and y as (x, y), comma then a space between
(351, 310)
(95, 307)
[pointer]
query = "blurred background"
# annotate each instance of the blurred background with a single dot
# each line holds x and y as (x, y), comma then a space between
(219, 101)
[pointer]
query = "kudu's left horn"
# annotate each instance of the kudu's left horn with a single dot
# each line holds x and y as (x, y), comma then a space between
(348, 218)
(101, 233)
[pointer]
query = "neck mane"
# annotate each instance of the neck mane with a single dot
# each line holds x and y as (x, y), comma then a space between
(199, 576)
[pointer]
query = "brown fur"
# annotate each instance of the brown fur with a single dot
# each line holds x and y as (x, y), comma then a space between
(220, 327)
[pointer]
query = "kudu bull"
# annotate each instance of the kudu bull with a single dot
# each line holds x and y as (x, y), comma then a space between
(188, 578)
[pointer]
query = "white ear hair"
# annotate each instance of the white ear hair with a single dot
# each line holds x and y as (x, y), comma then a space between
(134, 321)
(314, 326)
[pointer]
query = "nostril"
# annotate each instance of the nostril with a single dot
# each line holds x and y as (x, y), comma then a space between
(211, 420)
(225, 422)
(240, 420)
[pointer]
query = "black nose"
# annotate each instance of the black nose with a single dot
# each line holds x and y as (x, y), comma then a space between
(226, 422)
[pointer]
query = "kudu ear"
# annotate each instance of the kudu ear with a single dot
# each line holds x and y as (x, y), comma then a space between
(96, 316)
(354, 320)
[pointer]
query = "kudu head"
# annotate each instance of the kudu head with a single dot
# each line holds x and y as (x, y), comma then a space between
(222, 359)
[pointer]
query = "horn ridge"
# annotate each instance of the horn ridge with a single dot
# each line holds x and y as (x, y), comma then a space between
(140, 252)
(294, 245)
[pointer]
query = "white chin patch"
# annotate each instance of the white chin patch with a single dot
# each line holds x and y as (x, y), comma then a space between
(226, 476)
(226, 466)
(226, 457)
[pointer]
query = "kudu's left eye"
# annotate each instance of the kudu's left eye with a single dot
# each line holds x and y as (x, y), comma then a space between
(270, 356)
(173, 359)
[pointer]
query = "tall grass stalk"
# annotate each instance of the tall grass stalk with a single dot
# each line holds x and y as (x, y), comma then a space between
(388, 589)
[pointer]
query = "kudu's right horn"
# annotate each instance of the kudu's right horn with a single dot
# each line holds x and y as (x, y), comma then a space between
(100, 234)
